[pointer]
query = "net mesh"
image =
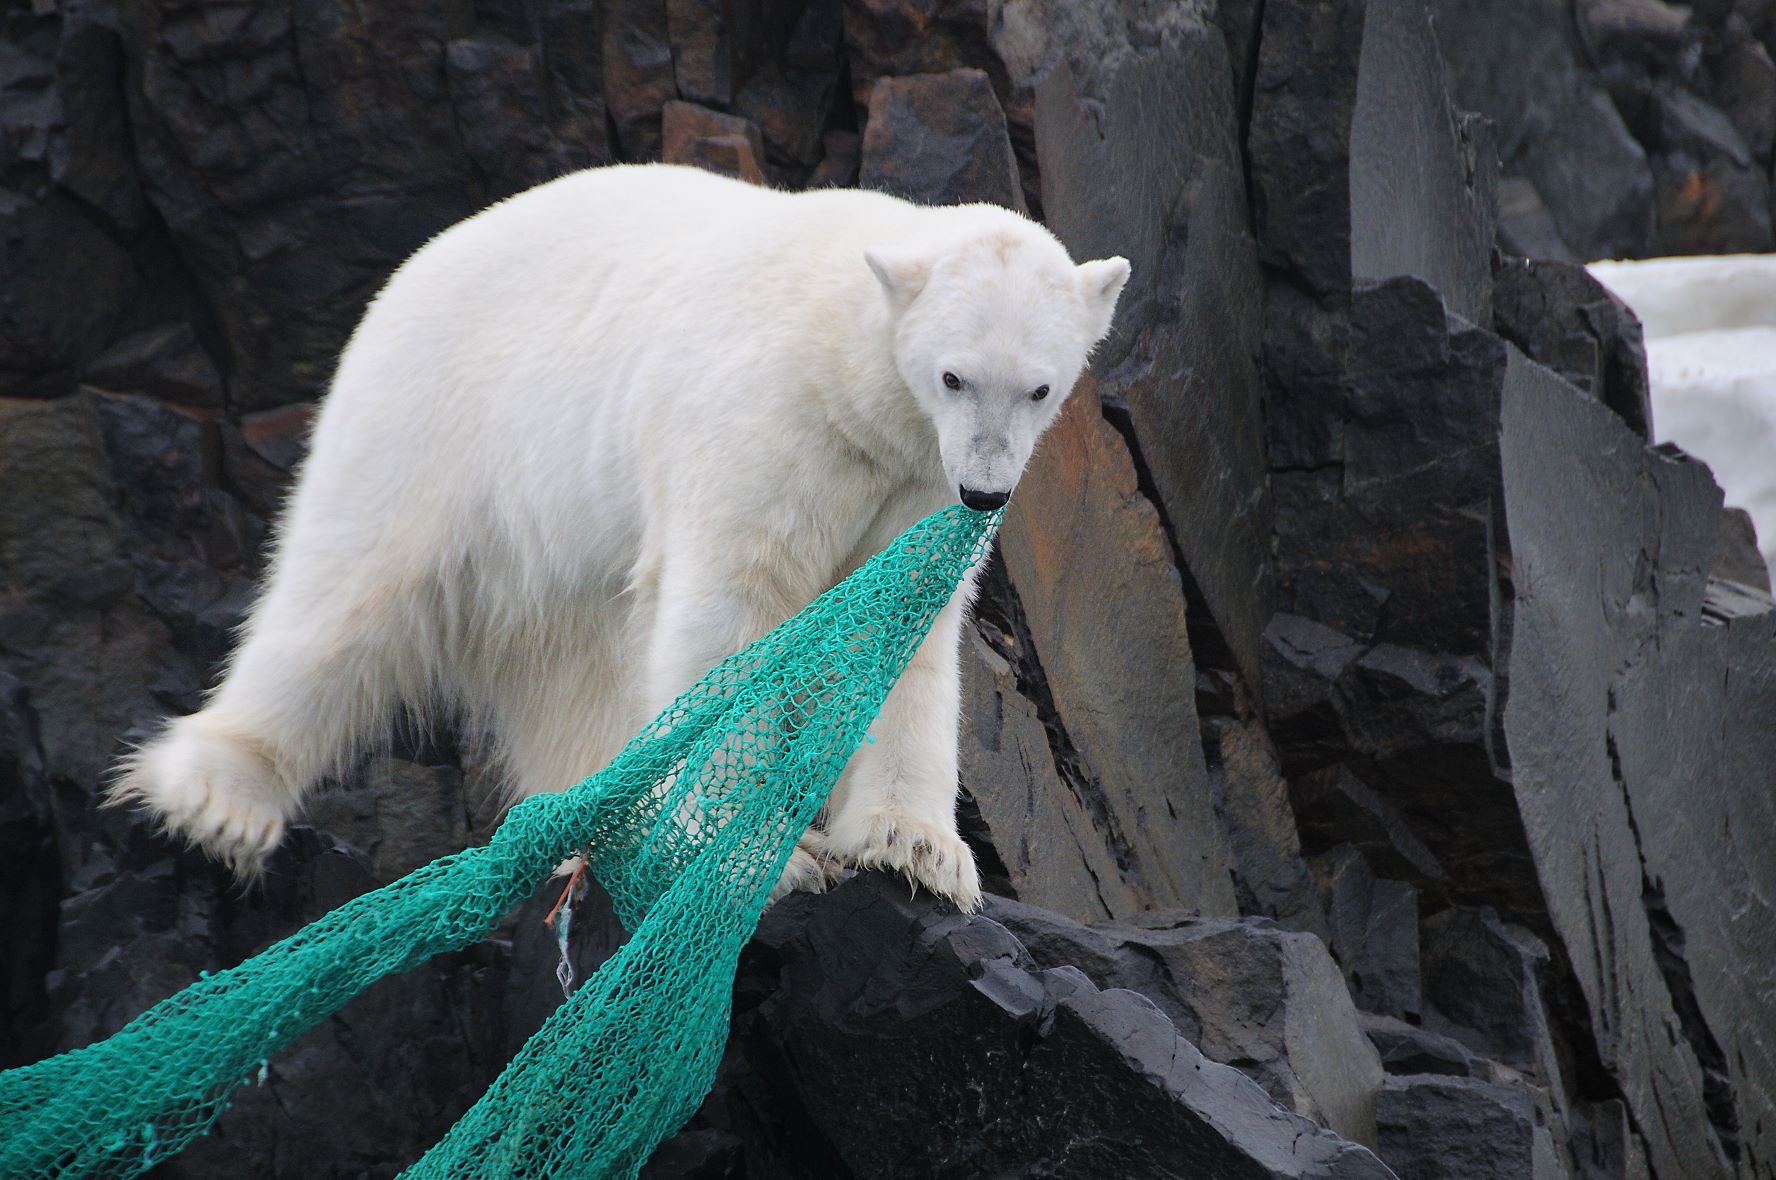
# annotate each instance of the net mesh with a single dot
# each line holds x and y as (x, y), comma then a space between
(688, 828)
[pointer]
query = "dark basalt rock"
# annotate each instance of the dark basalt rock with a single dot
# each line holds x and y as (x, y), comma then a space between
(1335, 808)
(1386, 508)
(1624, 783)
(335, 162)
(939, 139)
(1712, 193)
(1407, 1049)
(1515, 61)
(1267, 1001)
(1483, 982)
(1526, 227)
(1362, 169)
(30, 879)
(1737, 557)
(1373, 925)
(1054, 1075)
(1129, 714)
(1433, 1127)
(166, 362)
(365, 1092)
(1253, 800)
(1564, 319)
(712, 141)
(1180, 375)
(1053, 851)
(1745, 85)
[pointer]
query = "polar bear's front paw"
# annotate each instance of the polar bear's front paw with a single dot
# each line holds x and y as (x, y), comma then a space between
(808, 870)
(923, 852)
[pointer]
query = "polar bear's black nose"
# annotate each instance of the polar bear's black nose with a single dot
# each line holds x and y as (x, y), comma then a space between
(983, 501)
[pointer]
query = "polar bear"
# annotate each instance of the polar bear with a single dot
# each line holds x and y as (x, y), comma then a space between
(605, 433)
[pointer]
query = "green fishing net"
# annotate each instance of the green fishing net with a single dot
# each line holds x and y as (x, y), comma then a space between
(688, 828)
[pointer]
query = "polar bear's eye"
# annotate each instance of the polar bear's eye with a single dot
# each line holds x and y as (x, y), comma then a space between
(1040, 392)
(952, 381)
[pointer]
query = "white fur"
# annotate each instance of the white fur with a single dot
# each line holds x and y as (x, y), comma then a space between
(605, 433)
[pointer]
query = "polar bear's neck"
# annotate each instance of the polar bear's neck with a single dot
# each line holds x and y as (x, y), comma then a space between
(866, 402)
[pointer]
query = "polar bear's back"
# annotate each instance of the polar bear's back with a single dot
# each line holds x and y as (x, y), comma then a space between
(510, 372)
(597, 267)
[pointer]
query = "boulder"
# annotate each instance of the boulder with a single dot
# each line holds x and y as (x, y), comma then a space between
(1386, 477)
(638, 74)
(1337, 811)
(704, 50)
(1711, 192)
(1518, 63)
(399, 814)
(1252, 798)
(841, 158)
(1180, 375)
(711, 140)
(165, 362)
(333, 163)
(980, 1061)
(1362, 170)
(1373, 925)
(30, 879)
(1483, 984)
(1434, 1128)
(365, 1092)
(1408, 1049)
(261, 451)
(1563, 318)
(939, 139)
(1526, 227)
(1745, 86)
(1248, 994)
(1078, 534)
(1736, 554)
(791, 80)
(1037, 826)
(1624, 784)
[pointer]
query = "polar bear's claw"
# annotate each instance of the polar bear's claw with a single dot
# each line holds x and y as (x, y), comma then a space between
(921, 851)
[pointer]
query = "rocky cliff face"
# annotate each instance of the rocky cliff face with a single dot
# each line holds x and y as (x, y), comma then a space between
(1357, 727)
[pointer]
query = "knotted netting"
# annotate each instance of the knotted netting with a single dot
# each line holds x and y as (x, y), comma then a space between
(688, 828)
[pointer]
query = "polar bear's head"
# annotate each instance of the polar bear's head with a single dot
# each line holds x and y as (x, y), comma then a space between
(991, 331)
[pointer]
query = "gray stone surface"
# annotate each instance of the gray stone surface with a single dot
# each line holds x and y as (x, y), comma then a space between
(1625, 785)
(1483, 985)
(1055, 855)
(1515, 62)
(1268, 1001)
(1737, 557)
(1408, 1049)
(1441, 1128)
(1077, 535)
(1055, 1076)
(1362, 169)
(1564, 319)
(939, 139)
(1183, 363)
(1373, 924)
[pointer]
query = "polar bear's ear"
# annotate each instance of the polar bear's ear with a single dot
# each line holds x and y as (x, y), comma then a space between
(902, 274)
(1100, 282)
